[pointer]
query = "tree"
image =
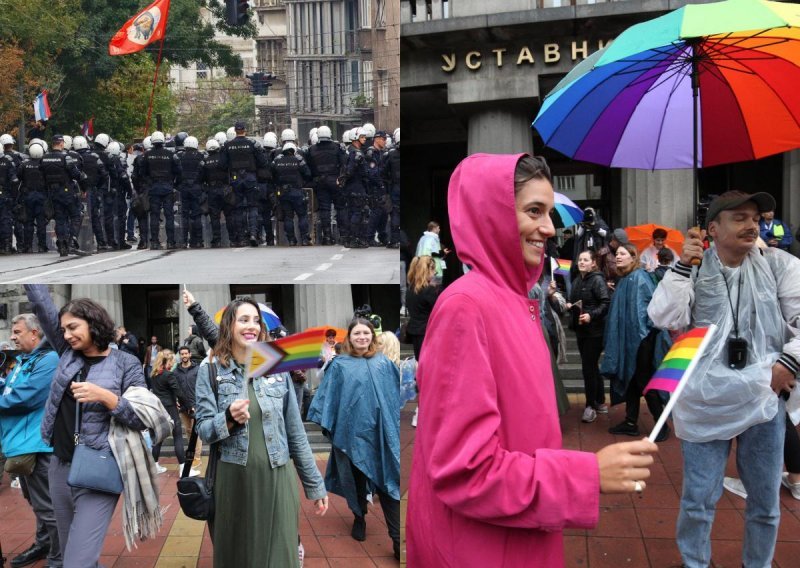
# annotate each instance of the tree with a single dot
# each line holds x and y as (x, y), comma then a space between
(215, 105)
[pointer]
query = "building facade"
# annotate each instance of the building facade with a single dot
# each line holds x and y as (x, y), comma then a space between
(473, 76)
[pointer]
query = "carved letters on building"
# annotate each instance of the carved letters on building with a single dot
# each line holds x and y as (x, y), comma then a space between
(550, 53)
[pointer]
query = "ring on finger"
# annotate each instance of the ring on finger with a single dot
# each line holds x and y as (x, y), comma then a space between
(637, 486)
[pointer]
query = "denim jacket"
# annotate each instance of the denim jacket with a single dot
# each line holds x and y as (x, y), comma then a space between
(283, 427)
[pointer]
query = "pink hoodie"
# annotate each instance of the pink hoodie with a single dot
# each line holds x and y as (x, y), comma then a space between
(490, 484)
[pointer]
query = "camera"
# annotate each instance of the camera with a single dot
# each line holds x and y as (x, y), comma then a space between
(363, 312)
(737, 353)
(588, 216)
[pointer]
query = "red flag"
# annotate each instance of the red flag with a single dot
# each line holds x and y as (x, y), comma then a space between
(144, 28)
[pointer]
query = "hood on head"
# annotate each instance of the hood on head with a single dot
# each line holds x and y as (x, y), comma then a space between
(483, 220)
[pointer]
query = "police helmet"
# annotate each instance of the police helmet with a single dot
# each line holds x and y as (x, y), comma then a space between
(221, 138)
(190, 142)
(314, 139)
(180, 139)
(289, 146)
(6, 139)
(270, 140)
(396, 135)
(230, 134)
(346, 137)
(102, 140)
(363, 132)
(288, 135)
(147, 143)
(369, 130)
(67, 142)
(79, 143)
(35, 150)
(40, 142)
(312, 132)
(157, 137)
(113, 148)
(212, 145)
(324, 133)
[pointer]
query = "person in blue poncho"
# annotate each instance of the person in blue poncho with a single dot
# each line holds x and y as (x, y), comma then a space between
(358, 407)
(633, 346)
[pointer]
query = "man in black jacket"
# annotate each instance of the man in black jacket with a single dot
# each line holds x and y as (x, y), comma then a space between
(127, 342)
(186, 375)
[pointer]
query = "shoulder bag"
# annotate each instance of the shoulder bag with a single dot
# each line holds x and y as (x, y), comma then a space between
(196, 494)
(93, 469)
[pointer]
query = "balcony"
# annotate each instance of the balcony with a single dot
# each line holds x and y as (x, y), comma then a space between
(412, 11)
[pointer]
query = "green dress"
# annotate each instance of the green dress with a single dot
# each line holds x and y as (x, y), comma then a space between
(256, 508)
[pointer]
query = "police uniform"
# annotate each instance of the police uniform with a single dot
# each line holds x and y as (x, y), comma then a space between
(191, 194)
(392, 177)
(8, 195)
(356, 194)
(244, 160)
(77, 220)
(377, 196)
(17, 223)
(106, 197)
(122, 194)
(163, 169)
(141, 187)
(289, 172)
(33, 194)
(214, 176)
(266, 198)
(96, 180)
(58, 168)
(326, 161)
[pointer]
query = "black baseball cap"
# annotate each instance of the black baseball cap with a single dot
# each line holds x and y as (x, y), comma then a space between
(57, 138)
(380, 134)
(733, 199)
(240, 125)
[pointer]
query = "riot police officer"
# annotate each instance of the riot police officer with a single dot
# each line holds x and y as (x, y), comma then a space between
(244, 160)
(118, 205)
(326, 159)
(376, 190)
(392, 177)
(163, 169)
(268, 197)
(191, 192)
(96, 179)
(8, 194)
(58, 168)
(104, 198)
(214, 176)
(289, 171)
(33, 194)
(355, 188)
(140, 206)
(77, 193)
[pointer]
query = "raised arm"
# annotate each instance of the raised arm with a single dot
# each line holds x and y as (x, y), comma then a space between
(47, 312)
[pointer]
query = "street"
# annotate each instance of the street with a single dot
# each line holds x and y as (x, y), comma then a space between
(272, 265)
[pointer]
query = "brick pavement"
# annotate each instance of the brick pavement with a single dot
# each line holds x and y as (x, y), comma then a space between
(184, 543)
(640, 532)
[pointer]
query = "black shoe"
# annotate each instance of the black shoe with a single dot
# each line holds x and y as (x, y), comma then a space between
(26, 250)
(292, 243)
(78, 252)
(664, 434)
(172, 246)
(626, 428)
(34, 553)
(396, 548)
(142, 245)
(327, 241)
(253, 242)
(375, 243)
(155, 246)
(359, 531)
(393, 246)
(359, 244)
(124, 246)
(307, 243)
(216, 245)
(104, 247)
(5, 250)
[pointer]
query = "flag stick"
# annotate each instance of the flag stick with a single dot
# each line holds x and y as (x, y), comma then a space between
(153, 91)
(673, 398)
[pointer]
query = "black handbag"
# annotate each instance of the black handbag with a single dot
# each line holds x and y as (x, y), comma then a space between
(93, 469)
(196, 494)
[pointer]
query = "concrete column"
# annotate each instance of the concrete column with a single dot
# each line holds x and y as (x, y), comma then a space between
(322, 305)
(211, 296)
(663, 197)
(107, 295)
(790, 212)
(499, 131)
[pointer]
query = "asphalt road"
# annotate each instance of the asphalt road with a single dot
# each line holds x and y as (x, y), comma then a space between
(264, 265)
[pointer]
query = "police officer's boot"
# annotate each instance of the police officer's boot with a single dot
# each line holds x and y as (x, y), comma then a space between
(253, 241)
(326, 238)
(62, 248)
(5, 249)
(306, 241)
(142, 244)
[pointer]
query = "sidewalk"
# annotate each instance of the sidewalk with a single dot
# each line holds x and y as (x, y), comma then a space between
(640, 532)
(184, 543)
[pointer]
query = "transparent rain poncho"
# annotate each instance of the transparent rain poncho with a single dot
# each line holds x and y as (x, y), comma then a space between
(718, 402)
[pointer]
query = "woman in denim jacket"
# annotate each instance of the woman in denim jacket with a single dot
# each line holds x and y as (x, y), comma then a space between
(257, 425)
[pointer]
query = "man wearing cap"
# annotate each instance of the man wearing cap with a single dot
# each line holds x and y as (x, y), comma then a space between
(245, 159)
(739, 385)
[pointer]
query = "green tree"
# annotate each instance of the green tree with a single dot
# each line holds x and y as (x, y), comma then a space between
(215, 105)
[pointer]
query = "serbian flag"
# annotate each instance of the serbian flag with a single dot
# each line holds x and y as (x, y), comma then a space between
(144, 28)
(677, 366)
(88, 127)
(41, 108)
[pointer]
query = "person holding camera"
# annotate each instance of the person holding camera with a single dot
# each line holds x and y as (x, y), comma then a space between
(737, 390)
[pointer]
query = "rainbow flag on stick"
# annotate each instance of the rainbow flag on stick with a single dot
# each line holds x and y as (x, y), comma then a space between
(676, 368)
(262, 358)
(302, 350)
(564, 267)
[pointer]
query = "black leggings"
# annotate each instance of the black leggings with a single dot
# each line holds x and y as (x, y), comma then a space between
(641, 376)
(177, 436)
(791, 448)
(390, 507)
(416, 342)
(590, 349)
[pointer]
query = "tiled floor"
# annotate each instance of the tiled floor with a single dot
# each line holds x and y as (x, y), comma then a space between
(184, 543)
(640, 532)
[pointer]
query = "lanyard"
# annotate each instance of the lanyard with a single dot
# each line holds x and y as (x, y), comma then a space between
(734, 313)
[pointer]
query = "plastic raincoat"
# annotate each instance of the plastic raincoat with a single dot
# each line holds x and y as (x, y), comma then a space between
(490, 483)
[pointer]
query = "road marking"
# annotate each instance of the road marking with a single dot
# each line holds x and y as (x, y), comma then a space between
(337, 257)
(304, 276)
(77, 266)
(324, 266)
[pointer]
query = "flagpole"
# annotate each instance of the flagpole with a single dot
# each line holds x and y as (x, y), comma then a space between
(673, 398)
(153, 91)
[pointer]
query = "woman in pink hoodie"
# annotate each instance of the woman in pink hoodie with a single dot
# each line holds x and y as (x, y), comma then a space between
(490, 484)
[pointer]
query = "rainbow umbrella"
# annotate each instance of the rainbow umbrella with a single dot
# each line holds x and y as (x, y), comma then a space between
(700, 86)
(567, 213)
(271, 319)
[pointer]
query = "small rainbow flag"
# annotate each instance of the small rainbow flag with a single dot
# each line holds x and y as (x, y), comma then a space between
(677, 361)
(302, 350)
(564, 266)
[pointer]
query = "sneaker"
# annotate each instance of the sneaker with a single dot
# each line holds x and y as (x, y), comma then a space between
(15, 484)
(160, 468)
(589, 415)
(663, 434)
(601, 408)
(793, 487)
(301, 553)
(194, 472)
(735, 486)
(626, 428)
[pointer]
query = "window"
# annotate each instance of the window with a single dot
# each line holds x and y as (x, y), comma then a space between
(366, 81)
(202, 71)
(355, 85)
(365, 13)
(384, 87)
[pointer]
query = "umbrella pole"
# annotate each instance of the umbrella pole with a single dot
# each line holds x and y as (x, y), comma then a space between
(695, 93)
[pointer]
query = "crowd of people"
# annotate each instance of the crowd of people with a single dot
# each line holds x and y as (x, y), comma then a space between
(80, 381)
(128, 189)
